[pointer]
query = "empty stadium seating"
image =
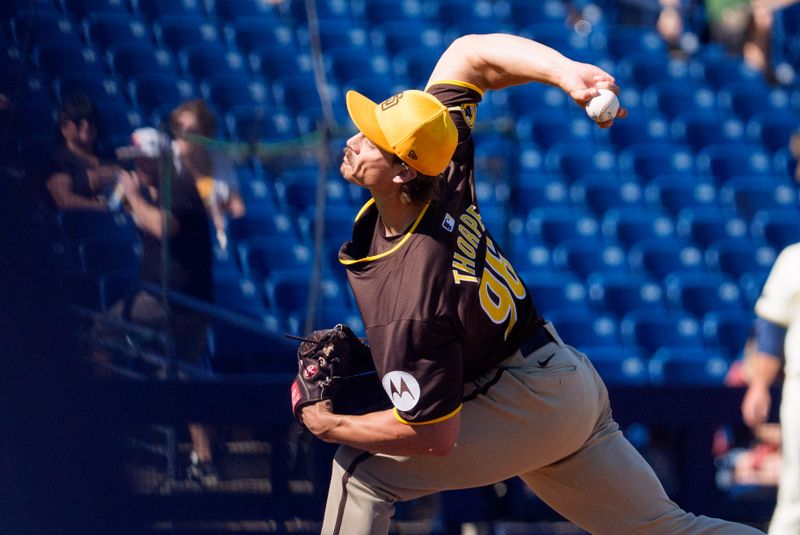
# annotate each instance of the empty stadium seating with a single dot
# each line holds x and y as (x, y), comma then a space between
(672, 216)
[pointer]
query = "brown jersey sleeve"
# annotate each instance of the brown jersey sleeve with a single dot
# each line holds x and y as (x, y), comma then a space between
(420, 365)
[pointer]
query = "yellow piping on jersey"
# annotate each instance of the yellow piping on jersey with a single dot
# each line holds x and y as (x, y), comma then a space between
(459, 83)
(434, 421)
(393, 249)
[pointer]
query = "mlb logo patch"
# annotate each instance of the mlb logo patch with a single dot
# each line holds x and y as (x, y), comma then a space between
(448, 223)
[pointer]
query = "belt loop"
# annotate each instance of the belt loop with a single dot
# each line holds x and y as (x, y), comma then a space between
(552, 332)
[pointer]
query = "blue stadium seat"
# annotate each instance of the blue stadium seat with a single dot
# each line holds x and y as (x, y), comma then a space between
(178, 31)
(81, 8)
(556, 224)
(106, 29)
(600, 192)
(537, 190)
(260, 256)
(531, 158)
(673, 97)
(638, 130)
(224, 92)
(737, 256)
(700, 293)
(338, 223)
(555, 290)
(727, 331)
(326, 9)
(453, 12)
(344, 68)
(720, 72)
(154, 9)
(40, 27)
(573, 161)
(648, 160)
(620, 367)
(524, 253)
(203, 60)
(674, 192)
(659, 257)
(298, 95)
(520, 98)
(645, 68)
(523, 12)
(706, 224)
(159, 92)
(699, 129)
(771, 129)
(687, 366)
(376, 89)
(10, 8)
(249, 123)
(746, 195)
(453, 31)
(784, 163)
(651, 330)
(117, 120)
(21, 87)
(100, 254)
(588, 255)
(751, 284)
(326, 317)
(619, 293)
(262, 224)
(54, 58)
(389, 11)
(632, 224)
(34, 120)
(228, 10)
(289, 291)
(746, 99)
(336, 34)
(249, 33)
(240, 294)
(549, 127)
(777, 228)
(560, 37)
(113, 286)
(76, 225)
(414, 66)
(129, 60)
(280, 61)
(100, 89)
(393, 38)
(301, 195)
(623, 40)
(725, 161)
(586, 329)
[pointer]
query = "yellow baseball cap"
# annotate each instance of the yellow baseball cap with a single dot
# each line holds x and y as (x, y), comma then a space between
(413, 124)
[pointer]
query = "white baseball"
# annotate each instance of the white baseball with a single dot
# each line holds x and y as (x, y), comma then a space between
(603, 107)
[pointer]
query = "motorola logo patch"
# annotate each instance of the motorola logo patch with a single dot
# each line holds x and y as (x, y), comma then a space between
(402, 389)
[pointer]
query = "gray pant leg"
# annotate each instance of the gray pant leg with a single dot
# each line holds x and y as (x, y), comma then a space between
(607, 488)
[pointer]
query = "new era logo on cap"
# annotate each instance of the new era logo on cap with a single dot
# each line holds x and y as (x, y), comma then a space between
(413, 125)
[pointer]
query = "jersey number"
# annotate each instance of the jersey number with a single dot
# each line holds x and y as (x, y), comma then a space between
(499, 286)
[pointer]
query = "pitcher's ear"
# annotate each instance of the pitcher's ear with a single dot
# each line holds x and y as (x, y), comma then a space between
(406, 174)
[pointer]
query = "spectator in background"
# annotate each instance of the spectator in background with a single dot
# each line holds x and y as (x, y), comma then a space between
(190, 263)
(78, 179)
(794, 148)
(212, 171)
(777, 335)
(744, 27)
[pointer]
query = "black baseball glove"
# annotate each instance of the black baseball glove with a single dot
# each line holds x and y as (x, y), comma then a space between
(335, 364)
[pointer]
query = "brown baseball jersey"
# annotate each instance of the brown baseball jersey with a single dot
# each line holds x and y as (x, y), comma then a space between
(440, 303)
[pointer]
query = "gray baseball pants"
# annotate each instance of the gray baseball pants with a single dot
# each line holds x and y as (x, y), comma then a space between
(550, 426)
